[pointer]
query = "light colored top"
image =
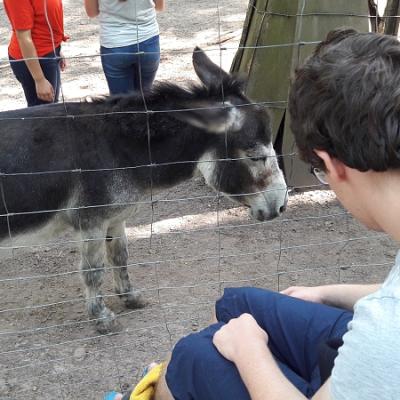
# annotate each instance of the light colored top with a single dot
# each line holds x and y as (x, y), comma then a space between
(123, 23)
(368, 364)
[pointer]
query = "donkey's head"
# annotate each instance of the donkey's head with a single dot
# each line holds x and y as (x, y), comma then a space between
(241, 162)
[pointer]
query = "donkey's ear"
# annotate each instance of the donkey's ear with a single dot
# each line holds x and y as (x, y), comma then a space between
(216, 118)
(208, 72)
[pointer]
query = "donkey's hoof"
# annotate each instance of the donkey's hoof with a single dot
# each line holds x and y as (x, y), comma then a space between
(134, 300)
(108, 324)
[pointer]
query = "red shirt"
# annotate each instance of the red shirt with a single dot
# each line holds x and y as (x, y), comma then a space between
(30, 14)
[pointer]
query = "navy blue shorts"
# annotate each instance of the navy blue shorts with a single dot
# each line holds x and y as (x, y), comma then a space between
(296, 330)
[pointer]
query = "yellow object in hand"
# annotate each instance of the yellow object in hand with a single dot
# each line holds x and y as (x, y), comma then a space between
(145, 389)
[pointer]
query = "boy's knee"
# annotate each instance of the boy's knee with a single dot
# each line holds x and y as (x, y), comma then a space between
(196, 348)
(196, 368)
(191, 360)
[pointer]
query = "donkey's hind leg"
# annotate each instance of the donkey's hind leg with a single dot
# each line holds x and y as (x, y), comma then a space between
(92, 270)
(117, 253)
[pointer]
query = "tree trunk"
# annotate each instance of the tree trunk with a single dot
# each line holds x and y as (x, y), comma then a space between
(376, 19)
(391, 21)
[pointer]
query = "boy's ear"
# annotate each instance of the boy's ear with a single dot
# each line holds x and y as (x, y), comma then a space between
(334, 167)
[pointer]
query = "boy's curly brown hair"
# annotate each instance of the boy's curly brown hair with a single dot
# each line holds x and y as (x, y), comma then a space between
(345, 100)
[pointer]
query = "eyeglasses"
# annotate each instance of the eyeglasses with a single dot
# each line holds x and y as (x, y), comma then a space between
(320, 174)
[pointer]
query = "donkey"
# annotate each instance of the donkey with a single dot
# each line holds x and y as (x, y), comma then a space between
(61, 164)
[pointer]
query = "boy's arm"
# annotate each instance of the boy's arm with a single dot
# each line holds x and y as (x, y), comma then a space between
(341, 296)
(44, 89)
(244, 343)
(264, 380)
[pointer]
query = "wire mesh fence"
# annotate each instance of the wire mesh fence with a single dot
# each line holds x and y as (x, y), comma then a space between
(185, 245)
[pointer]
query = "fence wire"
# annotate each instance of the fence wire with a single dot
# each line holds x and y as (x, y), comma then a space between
(186, 243)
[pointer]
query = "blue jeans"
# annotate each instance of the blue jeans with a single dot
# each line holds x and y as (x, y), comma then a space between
(296, 329)
(131, 68)
(50, 64)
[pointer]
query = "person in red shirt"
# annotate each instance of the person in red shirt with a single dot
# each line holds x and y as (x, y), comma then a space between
(35, 47)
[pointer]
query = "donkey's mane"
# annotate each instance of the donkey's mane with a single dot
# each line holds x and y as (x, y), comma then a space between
(165, 95)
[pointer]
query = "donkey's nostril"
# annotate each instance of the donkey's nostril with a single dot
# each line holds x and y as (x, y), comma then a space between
(260, 215)
(283, 208)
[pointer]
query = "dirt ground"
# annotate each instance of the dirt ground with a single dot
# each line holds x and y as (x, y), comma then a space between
(182, 253)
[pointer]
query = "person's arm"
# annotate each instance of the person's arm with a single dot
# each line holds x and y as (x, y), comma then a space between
(341, 296)
(159, 5)
(44, 89)
(92, 8)
(244, 343)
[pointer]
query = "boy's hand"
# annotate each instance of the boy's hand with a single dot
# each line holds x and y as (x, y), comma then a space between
(240, 337)
(313, 294)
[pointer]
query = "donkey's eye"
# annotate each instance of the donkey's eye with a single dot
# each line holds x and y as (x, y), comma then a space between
(263, 159)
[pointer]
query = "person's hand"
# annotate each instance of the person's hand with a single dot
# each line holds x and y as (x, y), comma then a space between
(63, 62)
(240, 337)
(313, 294)
(44, 90)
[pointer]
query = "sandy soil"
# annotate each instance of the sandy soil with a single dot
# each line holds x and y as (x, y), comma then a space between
(198, 246)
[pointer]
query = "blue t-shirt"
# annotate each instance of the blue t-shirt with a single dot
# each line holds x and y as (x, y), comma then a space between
(368, 364)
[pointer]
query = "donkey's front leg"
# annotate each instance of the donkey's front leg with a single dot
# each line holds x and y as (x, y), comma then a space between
(117, 252)
(92, 270)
